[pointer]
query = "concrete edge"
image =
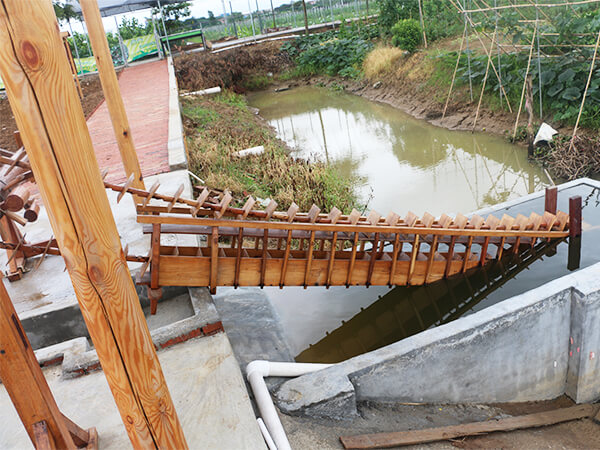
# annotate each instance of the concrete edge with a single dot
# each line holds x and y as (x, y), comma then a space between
(77, 359)
(175, 144)
(311, 394)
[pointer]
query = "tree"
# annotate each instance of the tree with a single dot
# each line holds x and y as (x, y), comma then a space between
(212, 20)
(173, 15)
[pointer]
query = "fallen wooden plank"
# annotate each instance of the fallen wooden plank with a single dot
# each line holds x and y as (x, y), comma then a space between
(387, 440)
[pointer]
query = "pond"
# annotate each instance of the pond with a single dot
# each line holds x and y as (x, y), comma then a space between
(407, 165)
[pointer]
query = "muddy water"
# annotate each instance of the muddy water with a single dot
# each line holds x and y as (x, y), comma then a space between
(404, 164)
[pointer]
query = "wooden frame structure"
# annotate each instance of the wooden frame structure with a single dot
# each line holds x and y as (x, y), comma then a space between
(48, 113)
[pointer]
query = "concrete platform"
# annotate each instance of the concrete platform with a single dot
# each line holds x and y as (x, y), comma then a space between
(204, 380)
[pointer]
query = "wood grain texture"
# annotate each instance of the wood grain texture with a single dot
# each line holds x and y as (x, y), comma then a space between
(24, 380)
(35, 70)
(413, 437)
(112, 92)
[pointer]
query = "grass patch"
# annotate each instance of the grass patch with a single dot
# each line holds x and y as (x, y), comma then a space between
(256, 82)
(380, 61)
(212, 145)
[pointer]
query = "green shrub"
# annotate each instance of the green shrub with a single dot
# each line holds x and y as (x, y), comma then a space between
(407, 34)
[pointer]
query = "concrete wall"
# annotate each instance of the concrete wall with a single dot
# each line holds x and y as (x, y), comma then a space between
(535, 346)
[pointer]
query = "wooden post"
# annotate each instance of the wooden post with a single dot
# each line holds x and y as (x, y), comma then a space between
(112, 93)
(575, 216)
(25, 383)
(551, 200)
(48, 113)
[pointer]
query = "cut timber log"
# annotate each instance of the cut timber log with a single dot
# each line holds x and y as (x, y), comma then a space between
(48, 113)
(112, 92)
(414, 437)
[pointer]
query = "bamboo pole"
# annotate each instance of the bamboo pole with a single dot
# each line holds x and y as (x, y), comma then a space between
(422, 23)
(587, 85)
(487, 71)
(541, 5)
(112, 92)
(462, 10)
(48, 113)
(525, 81)
(462, 43)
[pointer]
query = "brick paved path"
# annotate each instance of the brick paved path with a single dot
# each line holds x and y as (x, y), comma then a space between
(145, 92)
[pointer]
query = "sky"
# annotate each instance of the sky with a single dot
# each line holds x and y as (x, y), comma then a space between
(199, 8)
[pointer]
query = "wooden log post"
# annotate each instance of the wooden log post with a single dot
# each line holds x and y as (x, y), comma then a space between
(25, 383)
(575, 216)
(43, 97)
(551, 200)
(112, 92)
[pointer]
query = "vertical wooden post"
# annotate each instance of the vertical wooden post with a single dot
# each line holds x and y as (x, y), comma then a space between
(23, 378)
(48, 113)
(551, 200)
(25, 383)
(575, 216)
(112, 93)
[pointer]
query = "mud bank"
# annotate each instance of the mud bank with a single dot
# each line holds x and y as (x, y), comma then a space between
(412, 100)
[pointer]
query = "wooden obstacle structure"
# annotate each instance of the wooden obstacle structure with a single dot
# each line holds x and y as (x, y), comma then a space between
(253, 247)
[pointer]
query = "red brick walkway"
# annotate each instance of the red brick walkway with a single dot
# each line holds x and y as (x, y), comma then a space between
(145, 92)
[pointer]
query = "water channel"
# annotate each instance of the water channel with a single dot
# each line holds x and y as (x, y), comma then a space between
(405, 164)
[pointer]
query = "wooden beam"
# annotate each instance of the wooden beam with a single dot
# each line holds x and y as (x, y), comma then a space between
(415, 437)
(48, 113)
(112, 92)
(24, 380)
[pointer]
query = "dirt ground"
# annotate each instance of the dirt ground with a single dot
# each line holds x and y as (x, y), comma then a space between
(578, 434)
(92, 97)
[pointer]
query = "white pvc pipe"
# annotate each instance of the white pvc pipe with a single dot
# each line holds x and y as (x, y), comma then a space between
(212, 90)
(256, 372)
(267, 437)
(259, 150)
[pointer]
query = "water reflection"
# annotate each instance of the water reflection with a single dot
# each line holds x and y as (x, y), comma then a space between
(405, 311)
(405, 164)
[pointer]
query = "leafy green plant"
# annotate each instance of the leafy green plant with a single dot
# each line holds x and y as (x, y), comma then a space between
(407, 35)
(331, 53)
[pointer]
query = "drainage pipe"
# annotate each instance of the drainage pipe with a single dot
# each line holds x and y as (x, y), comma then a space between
(256, 372)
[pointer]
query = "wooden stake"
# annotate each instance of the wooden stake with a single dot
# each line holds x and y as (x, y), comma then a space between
(48, 113)
(112, 92)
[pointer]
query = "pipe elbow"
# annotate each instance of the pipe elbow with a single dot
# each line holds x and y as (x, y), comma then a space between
(259, 366)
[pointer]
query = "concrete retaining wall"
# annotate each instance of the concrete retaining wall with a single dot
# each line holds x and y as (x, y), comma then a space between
(534, 346)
